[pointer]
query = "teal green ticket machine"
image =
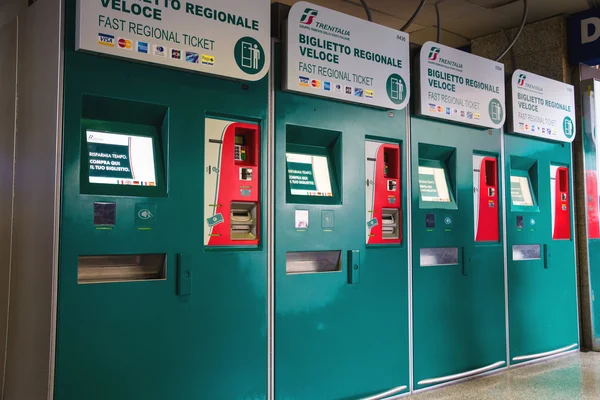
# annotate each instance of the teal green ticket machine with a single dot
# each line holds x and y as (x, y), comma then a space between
(341, 271)
(162, 288)
(459, 327)
(542, 289)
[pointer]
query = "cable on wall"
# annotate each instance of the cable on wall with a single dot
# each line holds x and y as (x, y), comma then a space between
(523, 20)
(367, 10)
(439, 22)
(411, 19)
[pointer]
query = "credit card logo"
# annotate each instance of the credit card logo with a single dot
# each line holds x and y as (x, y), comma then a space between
(125, 44)
(176, 54)
(338, 88)
(192, 57)
(358, 92)
(106, 40)
(159, 51)
(208, 60)
(315, 83)
(327, 86)
(303, 81)
(348, 90)
(369, 94)
(142, 47)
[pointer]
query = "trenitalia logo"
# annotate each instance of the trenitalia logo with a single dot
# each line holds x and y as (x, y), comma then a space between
(521, 80)
(309, 16)
(433, 53)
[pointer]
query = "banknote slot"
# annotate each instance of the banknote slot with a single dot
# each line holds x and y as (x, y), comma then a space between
(243, 221)
(390, 224)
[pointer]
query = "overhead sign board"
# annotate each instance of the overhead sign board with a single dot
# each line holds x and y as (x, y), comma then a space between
(542, 107)
(334, 55)
(221, 37)
(460, 87)
(584, 37)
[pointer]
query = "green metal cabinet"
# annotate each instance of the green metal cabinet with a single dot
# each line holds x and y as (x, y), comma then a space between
(341, 334)
(458, 305)
(542, 285)
(205, 338)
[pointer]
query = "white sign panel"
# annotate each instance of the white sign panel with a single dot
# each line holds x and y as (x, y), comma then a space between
(221, 37)
(334, 55)
(542, 107)
(460, 87)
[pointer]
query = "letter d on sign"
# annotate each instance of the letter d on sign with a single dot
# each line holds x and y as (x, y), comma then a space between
(585, 29)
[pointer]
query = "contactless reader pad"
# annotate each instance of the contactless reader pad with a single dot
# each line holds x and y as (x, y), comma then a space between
(430, 221)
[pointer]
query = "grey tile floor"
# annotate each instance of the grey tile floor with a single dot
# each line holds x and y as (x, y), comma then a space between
(571, 377)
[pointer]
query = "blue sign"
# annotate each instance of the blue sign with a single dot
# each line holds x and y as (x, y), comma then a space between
(584, 37)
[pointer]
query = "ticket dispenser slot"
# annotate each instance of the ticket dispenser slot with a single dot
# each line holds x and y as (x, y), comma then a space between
(232, 183)
(383, 213)
(561, 203)
(485, 197)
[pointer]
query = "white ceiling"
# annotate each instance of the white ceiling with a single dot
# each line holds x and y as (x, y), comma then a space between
(461, 20)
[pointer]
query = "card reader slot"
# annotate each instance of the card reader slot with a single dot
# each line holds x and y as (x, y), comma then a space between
(241, 215)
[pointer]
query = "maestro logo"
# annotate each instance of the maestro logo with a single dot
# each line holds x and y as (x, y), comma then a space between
(309, 16)
(433, 53)
(521, 80)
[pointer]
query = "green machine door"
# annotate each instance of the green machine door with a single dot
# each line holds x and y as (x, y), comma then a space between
(459, 324)
(162, 289)
(341, 275)
(541, 255)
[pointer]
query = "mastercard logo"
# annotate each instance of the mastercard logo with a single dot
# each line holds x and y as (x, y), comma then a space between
(315, 83)
(125, 44)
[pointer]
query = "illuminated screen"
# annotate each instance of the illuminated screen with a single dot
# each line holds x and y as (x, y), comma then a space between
(120, 159)
(520, 191)
(308, 175)
(433, 185)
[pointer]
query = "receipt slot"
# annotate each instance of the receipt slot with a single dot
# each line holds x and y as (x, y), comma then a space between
(231, 183)
(542, 296)
(383, 215)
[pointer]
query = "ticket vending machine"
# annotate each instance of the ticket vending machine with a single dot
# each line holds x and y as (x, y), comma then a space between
(542, 285)
(162, 289)
(341, 270)
(459, 327)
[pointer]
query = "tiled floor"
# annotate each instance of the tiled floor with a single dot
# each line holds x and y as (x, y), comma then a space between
(571, 377)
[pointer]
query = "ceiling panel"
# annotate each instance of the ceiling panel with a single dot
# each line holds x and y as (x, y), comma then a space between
(430, 34)
(461, 19)
(541, 9)
(358, 11)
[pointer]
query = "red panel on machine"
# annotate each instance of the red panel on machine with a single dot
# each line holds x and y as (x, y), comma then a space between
(239, 178)
(488, 221)
(592, 205)
(386, 197)
(562, 206)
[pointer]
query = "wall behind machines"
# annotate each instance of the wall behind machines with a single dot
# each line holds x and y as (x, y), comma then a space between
(541, 49)
(8, 83)
(30, 333)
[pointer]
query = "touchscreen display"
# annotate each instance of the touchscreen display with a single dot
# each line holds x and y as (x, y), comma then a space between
(308, 175)
(120, 159)
(433, 185)
(520, 191)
